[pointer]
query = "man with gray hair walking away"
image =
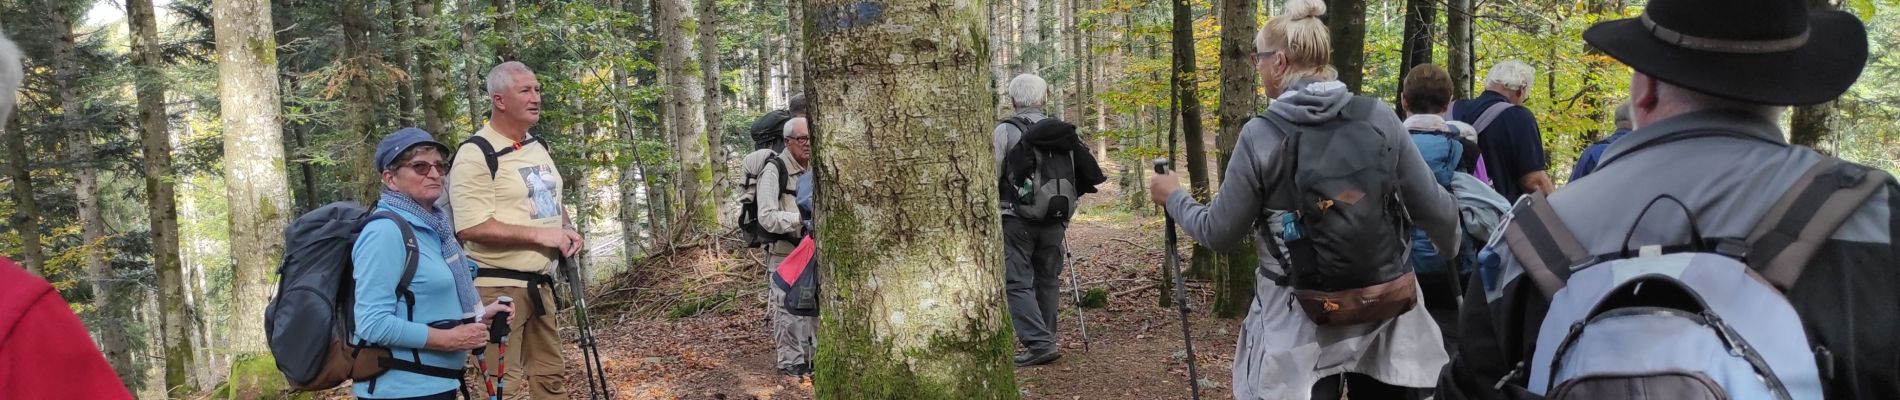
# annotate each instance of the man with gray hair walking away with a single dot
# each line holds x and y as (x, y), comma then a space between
(1509, 141)
(1042, 169)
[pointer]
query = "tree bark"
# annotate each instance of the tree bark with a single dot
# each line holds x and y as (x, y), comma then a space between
(1031, 47)
(1237, 102)
(1347, 20)
(403, 40)
(715, 110)
(255, 180)
(472, 67)
(795, 48)
(1458, 47)
(505, 23)
(25, 218)
(160, 195)
(107, 294)
(686, 120)
(435, 105)
(914, 302)
(1419, 17)
(359, 119)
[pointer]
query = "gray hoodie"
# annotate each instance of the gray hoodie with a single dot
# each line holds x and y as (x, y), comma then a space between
(1281, 353)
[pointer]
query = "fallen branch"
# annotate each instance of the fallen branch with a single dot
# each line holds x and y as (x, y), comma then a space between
(1125, 292)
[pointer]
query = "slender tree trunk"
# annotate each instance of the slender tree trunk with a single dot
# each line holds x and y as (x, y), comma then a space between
(686, 116)
(1237, 102)
(473, 66)
(403, 39)
(1419, 17)
(25, 218)
(160, 195)
(507, 25)
(999, 69)
(1031, 46)
(914, 307)
(435, 105)
(795, 46)
(1458, 46)
(107, 294)
(254, 175)
(1347, 20)
(359, 119)
(715, 110)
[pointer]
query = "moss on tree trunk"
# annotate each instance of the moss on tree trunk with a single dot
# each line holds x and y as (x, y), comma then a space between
(913, 305)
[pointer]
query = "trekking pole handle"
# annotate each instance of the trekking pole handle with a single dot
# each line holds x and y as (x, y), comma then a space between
(498, 326)
(1162, 165)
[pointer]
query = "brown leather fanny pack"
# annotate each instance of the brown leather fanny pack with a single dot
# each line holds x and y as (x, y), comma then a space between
(1367, 304)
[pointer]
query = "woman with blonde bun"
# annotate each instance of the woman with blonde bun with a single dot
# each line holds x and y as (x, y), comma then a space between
(1286, 349)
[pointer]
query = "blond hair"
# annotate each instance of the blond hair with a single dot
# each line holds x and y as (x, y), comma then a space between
(1303, 40)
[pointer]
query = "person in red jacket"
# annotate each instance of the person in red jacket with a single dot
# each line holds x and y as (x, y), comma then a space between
(45, 353)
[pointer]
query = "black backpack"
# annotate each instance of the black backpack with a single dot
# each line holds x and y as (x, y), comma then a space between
(755, 234)
(1349, 230)
(308, 324)
(769, 128)
(1049, 193)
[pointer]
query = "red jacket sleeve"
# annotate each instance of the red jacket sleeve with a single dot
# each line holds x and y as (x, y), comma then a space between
(45, 352)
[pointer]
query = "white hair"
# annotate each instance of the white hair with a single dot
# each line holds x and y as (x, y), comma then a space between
(1028, 90)
(1511, 74)
(790, 125)
(10, 76)
(502, 77)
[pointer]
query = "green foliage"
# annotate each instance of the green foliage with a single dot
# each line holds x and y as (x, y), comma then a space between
(1094, 298)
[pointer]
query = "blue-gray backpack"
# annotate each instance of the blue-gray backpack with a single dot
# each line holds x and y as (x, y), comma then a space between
(1706, 319)
(308, 324)
(1442, 152)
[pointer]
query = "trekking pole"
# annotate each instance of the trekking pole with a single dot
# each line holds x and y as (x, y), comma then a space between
(1180, 292)
(1075, 291)
(590, 354)
(498, 334)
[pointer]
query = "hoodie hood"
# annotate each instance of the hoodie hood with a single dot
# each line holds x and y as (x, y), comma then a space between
(1311, 101)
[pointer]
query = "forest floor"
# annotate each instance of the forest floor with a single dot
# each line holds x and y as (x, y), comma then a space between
(659, 341)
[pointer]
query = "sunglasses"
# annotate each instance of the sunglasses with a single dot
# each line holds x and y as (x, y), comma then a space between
(423, 167)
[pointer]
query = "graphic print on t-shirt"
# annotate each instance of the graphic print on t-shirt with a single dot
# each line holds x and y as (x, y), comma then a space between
(540, 181)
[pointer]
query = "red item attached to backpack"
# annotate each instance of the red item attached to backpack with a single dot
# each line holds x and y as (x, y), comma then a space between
(45, 352)
(795, 263)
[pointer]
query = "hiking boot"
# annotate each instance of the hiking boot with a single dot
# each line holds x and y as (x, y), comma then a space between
(795, 370)
(1032, 357)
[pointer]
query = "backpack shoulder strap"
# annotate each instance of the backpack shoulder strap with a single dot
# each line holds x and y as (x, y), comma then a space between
(1490, 115)
(409, 262)
(1542, 244)
(784, 177)
(1805, 216)
(493, 156)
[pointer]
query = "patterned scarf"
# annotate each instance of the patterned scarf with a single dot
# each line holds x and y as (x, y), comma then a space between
(451, 249)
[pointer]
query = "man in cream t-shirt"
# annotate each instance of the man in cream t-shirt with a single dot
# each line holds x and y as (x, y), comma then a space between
(516, 230)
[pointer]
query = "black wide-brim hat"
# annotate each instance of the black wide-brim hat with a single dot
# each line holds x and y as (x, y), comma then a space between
(1774, 52)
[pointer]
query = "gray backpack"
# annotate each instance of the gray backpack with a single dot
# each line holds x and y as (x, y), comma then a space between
(1703, 320)
(1049, 192)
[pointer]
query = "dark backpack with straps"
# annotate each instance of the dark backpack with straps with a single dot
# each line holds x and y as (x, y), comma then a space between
(309, 323)
(1049, 193)
(754, 165)
(1702, 320)
(1348, 237)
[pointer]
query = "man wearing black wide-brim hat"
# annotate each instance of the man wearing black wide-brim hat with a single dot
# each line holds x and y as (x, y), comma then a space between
(1712, 78)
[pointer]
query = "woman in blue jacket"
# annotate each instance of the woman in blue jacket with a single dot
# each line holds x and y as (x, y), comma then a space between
(430, 333)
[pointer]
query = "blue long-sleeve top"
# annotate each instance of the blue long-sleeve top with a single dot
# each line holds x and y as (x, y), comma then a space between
(383, 319)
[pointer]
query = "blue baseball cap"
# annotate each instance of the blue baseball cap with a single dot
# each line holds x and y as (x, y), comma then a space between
(401, 141)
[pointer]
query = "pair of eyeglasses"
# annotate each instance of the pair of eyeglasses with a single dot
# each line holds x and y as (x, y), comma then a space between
(423, 167)
(1262, 55)
(800, 139)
